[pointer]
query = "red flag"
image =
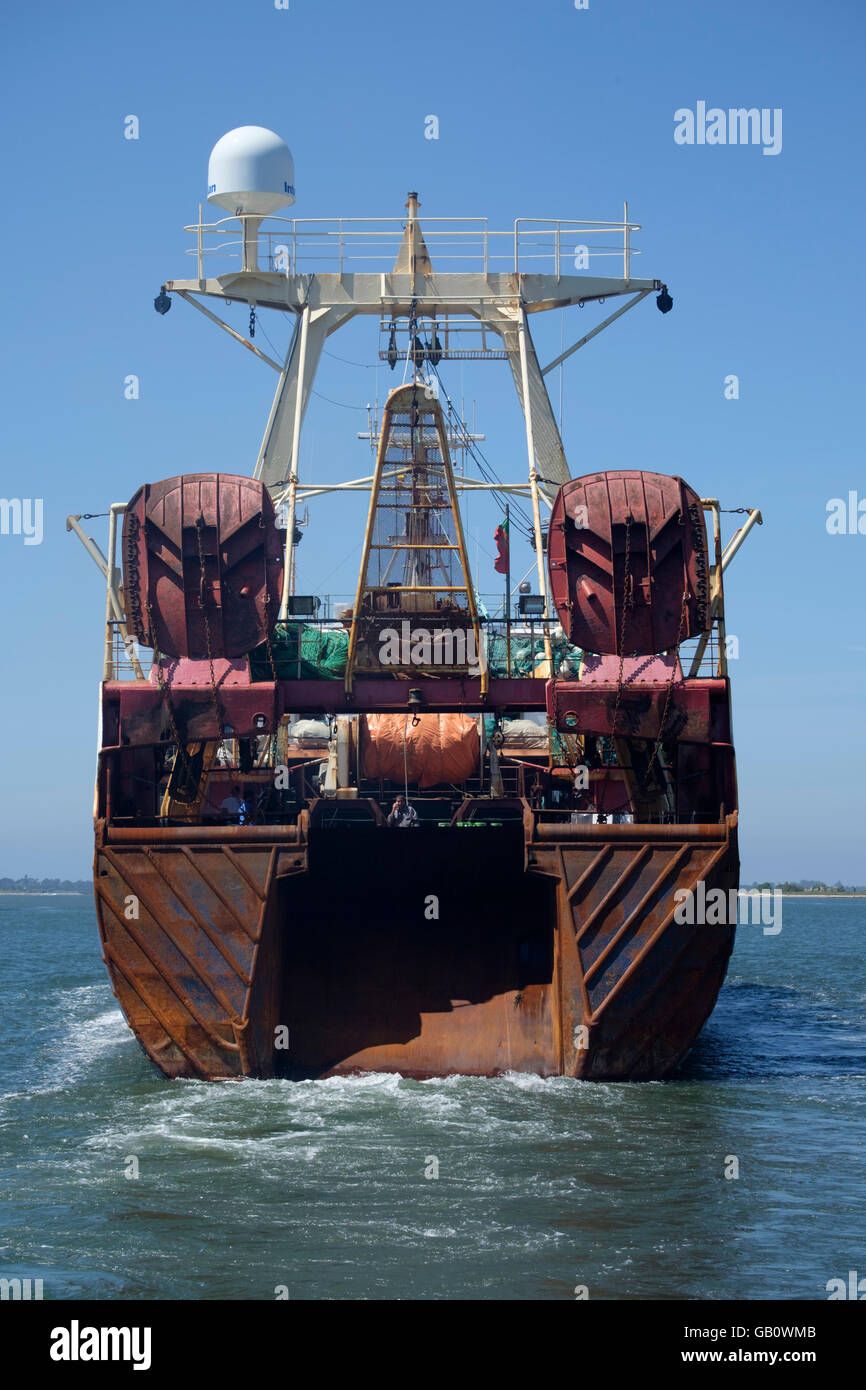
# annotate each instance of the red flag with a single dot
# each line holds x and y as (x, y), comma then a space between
(500, 536)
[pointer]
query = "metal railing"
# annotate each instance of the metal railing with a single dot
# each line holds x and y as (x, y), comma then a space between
(130, 661)
(297, 246)
(710, 664)
(133, 662)
(489, 605)
(512, 646)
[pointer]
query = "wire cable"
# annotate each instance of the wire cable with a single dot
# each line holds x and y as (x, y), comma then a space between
(342, 404)
(486, 469)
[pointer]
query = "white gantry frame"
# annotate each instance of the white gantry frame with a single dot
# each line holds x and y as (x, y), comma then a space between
(411, 288)
(323, 301)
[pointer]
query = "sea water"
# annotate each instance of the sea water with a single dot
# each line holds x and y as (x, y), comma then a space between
(742, 1177)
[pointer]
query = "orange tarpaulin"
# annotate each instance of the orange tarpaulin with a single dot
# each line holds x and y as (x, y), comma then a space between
(439, 748)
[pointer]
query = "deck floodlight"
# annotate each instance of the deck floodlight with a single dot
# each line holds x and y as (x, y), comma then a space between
(162, 303)
(664, 303)
(303, 605)
(531, 606)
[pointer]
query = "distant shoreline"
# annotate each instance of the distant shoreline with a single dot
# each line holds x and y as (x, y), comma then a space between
(828, 896)
(84, 891)
(80, 893)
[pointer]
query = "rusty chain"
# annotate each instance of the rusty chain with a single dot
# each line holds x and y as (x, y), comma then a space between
(671, 682)
(218, 710)
(625, 579)
(626, 575)
(179, 743)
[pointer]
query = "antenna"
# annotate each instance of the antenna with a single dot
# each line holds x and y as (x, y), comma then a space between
(251, 173)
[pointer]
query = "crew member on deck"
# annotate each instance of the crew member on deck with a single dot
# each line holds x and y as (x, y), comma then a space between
(402, 815)
(234, 805)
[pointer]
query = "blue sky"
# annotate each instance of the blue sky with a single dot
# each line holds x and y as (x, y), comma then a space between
(544, 111)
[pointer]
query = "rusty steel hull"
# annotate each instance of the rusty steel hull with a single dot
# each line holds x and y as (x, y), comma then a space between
(542, 948)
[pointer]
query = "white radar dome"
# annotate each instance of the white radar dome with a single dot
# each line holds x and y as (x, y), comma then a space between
(251, 172)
